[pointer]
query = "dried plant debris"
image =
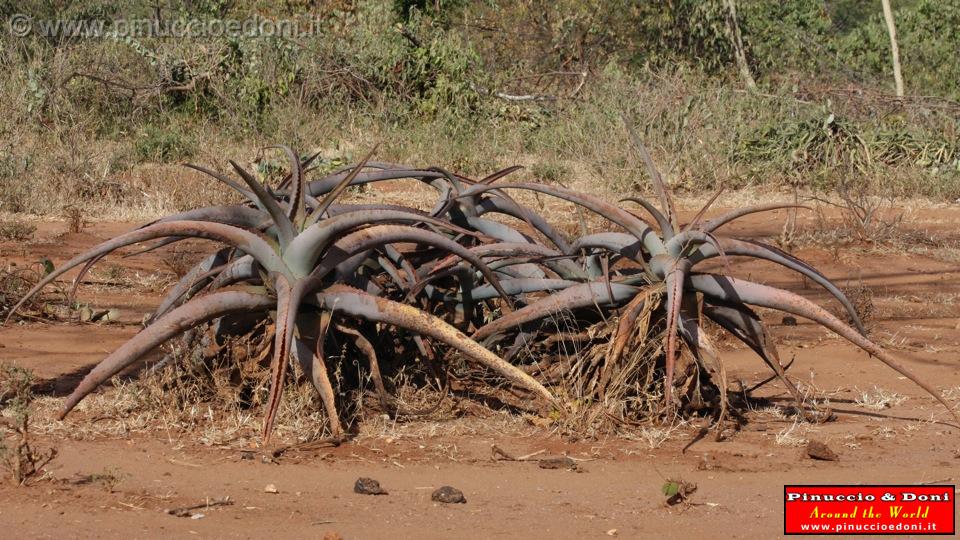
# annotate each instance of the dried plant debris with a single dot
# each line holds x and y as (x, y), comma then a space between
(677, 491)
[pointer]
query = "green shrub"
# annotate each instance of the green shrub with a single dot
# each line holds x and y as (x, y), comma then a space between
(928, 39)
(163, 145)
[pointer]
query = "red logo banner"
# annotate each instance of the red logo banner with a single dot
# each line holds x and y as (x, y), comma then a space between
(875, 510)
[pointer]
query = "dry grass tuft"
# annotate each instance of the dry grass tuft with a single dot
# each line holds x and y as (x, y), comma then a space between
(15, 231)
(75, 219)
(793, 435)
(22, 459)
(878, 399)
(16, 280)
(862, 298)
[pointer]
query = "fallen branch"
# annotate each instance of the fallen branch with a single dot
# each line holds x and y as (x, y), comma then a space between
(497, 451)
(186, 511)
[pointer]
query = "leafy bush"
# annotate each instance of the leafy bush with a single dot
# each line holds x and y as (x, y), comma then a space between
(928, 39)
(163, 145)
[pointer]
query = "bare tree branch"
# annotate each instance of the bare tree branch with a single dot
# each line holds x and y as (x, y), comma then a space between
(894, 48)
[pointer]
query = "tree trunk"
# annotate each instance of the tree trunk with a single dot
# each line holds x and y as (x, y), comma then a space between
(894, 49)
(738, 53)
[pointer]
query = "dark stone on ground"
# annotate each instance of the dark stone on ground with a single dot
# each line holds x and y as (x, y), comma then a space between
(818, 450)
(448, 495)
(368, 486)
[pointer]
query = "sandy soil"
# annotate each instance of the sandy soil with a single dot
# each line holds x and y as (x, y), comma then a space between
(617, 493)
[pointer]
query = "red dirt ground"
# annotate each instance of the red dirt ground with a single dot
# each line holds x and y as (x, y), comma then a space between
(740, 480)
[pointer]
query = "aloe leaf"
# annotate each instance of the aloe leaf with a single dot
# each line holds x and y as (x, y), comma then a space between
(659, 186)
(297, 211)
(517, 286)
(666, 228)
(550, 257)
(284, 226)
(238, 238)
(238, 216)
(226, 180)
(288, 303)
(380, 235)
(367, 350)
(732, 290)
(628, 221)
(284, 184)
(303, 253)
(625, 327)
(625, 245)
(703, 210)
(326, 185)
(745, 325)
(759, 250)
(240, 269)
(328, 199)
(190, 283)
(199, 311)
(511, 208)
(716, 223)
(579, 296)
(500, 174)
(374, 309)
(675, 280)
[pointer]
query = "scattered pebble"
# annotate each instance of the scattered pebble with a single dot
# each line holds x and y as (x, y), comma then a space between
(368, 486)
(818, 450)
(448, 495)
(612, 532)
(271, 489)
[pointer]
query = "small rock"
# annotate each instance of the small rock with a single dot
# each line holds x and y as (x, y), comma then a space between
(563, 462)
(271, 489)
(612, 532)
(197, 516)
(818, 450)
(789, 321)
(368, 486)
(247, 454)
(448, 495)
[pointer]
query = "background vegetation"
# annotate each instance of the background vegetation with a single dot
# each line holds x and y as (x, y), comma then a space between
(476, 84)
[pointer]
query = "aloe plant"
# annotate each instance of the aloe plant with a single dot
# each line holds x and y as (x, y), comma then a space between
(667, 258)
(299, 254)
(314, 266)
